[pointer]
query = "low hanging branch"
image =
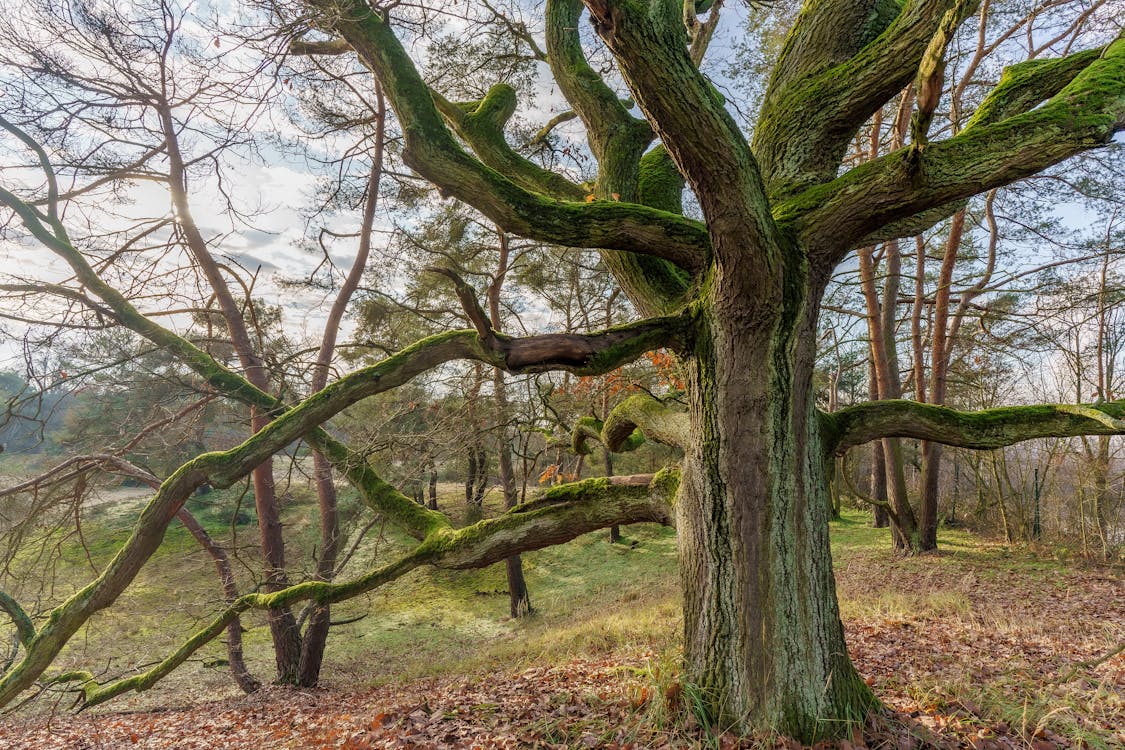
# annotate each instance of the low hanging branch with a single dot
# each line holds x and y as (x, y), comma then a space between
(584, 354)
(991, 428)
(558, 515)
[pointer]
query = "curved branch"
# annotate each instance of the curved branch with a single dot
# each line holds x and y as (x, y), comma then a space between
(559, 515)
(606, 117)
(630, 423)
(842, 62)
(655, 419)
(469, 302)
(24, 627)
(1086, 111)
(432, 152)
(693, 124)
(991, 428)
(590, 354)
(481, 125)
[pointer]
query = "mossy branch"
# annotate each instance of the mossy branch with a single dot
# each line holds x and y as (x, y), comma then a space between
(431, 150)
(841, 62)
(585, 430)
(698, 132)
(630, 423)
(605, 116)
(25, 630)
(1083, 114)
(930, 81)
(481, 126)
(559, 515)
(663, 421)
(991, 428)
(591, 354)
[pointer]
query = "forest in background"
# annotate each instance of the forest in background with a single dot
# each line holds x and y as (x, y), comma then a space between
(352, 267)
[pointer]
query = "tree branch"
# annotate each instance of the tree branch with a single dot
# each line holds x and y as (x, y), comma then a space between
(559, 515)
(655, 419)
(694, 126)
(1085, 106)
(481, 125)
(618, 141)
(991, 428)
(24, 627)
(432, 152)
(841, 63)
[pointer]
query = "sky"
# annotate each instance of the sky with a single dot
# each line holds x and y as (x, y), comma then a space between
(279, 188)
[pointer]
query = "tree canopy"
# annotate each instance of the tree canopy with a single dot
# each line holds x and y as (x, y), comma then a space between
(723, 231)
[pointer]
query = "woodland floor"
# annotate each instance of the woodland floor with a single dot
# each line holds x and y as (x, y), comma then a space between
(980, 645)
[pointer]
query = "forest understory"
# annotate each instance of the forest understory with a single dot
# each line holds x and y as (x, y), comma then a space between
(981, 645)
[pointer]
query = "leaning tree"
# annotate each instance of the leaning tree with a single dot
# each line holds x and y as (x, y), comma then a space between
(735, 294)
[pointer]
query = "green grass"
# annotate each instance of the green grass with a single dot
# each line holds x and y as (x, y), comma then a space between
(591, 598)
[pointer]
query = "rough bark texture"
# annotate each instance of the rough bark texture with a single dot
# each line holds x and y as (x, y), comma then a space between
(763, 641)
(764, 646)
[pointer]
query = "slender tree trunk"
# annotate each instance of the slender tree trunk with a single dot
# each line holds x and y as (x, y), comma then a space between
(1102, 498)
(763, 642)
(481, 481)
(470, 474)
(1005, 526)
(315, 638)
(941, 349)
(614, 531)
(880, 518)
(238, 669)
(433, 483)
(518, 595)
(283, 625)
(885, 360)
(316, 633)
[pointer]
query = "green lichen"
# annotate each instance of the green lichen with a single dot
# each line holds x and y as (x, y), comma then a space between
(659, 182)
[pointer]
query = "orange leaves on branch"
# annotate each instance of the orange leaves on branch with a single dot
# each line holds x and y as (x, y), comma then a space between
(550, 474)
(667, 369)
(555, 475)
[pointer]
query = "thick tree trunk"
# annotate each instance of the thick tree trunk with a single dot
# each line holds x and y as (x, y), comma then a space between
(764, 646)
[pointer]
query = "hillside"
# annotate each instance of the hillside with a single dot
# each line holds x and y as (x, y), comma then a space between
(980, 645)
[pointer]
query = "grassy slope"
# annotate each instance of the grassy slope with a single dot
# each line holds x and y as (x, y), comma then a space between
(979, 629)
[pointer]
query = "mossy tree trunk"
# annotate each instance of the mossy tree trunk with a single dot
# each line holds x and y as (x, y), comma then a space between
(740, 291)
(764, 646)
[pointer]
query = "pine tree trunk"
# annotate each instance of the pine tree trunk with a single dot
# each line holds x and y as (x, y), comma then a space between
(764, 646)
(283, 625)
(315, 639)
(433, 485)
(518, 596)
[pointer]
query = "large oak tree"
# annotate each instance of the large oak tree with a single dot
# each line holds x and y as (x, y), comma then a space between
(735, 295)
